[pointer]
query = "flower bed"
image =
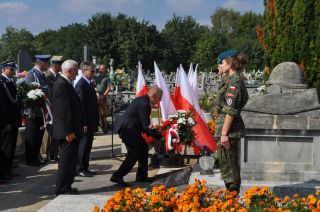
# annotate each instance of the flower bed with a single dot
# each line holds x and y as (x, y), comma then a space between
(198, 197)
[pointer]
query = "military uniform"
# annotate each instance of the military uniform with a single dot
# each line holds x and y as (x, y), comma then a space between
(35, 125)
(232, 97)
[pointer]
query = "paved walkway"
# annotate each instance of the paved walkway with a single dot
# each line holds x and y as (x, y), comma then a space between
(34, 188)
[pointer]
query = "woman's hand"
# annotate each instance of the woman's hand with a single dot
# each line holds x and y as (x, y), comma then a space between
(225, 142)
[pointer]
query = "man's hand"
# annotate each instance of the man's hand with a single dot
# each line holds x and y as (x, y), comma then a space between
(225, 142)
(85, 129)
(70, 137)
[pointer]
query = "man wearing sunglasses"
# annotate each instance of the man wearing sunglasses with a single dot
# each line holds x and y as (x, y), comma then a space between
(90, 116)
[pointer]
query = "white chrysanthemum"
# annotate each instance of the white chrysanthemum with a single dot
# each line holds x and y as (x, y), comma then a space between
(181, 121)
(32, 95)
(174, 116)
(191, 121)
(38, 92)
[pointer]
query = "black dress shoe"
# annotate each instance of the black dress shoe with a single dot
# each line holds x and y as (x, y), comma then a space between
(84, 174)
(145, 179)
(68, 192)
(91, 172)
(119, 181)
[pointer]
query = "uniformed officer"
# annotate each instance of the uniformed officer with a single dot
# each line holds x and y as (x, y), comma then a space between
(35, 123)
(232, 97)
(12, 120)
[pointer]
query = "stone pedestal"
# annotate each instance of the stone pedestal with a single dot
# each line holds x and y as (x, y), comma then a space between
(281, 147)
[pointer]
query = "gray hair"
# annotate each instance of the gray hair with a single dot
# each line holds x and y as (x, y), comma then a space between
(69, 64)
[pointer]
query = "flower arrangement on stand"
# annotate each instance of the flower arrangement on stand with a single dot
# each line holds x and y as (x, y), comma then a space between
(178, 131)
(118, 78)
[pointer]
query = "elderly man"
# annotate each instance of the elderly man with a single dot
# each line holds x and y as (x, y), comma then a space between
(136, 120)
(35, 125)
(50, 146)
(102, 81)
(90, 116)
(12, 116)
(67, 126)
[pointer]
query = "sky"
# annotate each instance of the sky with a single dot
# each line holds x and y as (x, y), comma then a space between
(40, 15)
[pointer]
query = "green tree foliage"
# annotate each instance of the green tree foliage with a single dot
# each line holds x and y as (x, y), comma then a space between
(67, 41)
(180, 36)
(13, 40)
(124, 39)
(291, 32)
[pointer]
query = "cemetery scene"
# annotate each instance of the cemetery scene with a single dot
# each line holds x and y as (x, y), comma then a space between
(204, 106)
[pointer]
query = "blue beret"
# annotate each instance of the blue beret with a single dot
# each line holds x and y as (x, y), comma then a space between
(226, 54)
(43, 58)
(9, 63)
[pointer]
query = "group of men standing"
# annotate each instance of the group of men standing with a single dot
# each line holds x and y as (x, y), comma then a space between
(74, 120)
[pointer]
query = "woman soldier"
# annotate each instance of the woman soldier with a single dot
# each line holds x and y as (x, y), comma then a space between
(232, 97)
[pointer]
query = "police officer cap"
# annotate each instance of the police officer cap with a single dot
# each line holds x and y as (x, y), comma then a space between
(9, 64)
(56, 59)
(226, 54)
(42, 58)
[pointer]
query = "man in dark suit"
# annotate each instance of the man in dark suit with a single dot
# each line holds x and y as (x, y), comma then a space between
(35, 124)
(90, 116)
(12, 123)
(136, 120)
(67, 126)
(50, 146)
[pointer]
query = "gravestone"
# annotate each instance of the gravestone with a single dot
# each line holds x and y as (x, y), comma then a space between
(24, 61)
(282, 130)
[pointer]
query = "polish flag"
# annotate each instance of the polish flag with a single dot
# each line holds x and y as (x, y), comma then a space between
(176, 93)
(166, 103)
(187, 103)
(142, 87)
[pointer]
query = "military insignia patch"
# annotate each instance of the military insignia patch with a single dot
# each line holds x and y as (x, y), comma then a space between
(229, 101)
(232, 88)
(229, 95)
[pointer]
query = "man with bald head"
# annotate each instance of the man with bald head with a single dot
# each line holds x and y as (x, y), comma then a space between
(136, 120)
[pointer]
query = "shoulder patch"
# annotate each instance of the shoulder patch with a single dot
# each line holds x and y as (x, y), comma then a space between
(229, 101)
(232, 88)
(230, 95)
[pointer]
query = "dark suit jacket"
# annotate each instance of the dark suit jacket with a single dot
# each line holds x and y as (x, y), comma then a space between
(11, 108)
(66, 110)
(135, 120)
(89, 104)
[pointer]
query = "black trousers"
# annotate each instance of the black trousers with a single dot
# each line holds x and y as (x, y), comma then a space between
(8, 146)
(67, 165)
(4, 163)
(53, 144)
(85, 146)
(137, 151)
(33, 138)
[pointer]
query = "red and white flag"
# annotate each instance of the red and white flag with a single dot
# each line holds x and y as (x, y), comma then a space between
(166, 104)
(188, 102)
(142, 87)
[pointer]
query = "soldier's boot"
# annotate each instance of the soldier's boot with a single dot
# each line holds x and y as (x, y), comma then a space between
(233, 187)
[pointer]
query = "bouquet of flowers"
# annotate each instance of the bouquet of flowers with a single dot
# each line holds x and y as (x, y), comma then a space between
(31, 96)
(117, 77)
(177, 130)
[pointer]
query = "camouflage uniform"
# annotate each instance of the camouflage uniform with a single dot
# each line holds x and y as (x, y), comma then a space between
(232, 97)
